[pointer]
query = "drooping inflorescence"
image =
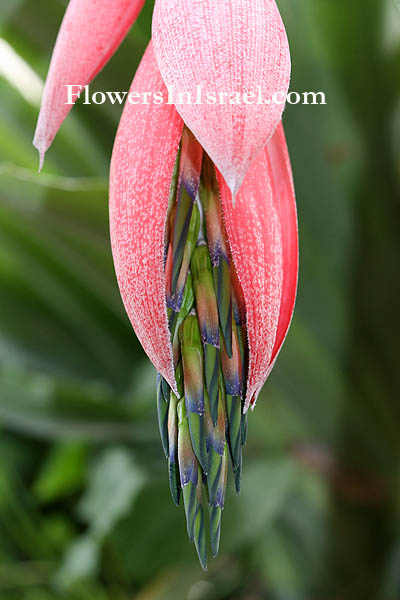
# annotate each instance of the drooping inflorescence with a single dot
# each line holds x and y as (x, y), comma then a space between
(207, 322)
(211, 329)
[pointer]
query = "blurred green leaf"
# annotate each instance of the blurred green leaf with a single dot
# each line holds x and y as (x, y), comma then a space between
(63, 472)
(115, 480)
(58, 409)
(267, 485)
(80, 562)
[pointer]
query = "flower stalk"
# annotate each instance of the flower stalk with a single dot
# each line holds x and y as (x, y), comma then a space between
(207, 424)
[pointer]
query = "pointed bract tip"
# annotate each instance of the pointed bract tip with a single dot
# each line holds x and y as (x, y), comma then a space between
(42, 152)
(234, 183)
(41, 141)
(173, 385)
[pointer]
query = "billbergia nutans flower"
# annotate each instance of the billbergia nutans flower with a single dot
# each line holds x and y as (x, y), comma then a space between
(203, 222)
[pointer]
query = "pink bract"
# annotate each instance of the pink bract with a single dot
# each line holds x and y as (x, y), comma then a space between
(225, 46)
(90, 33)
(262, 232)
(141, 174)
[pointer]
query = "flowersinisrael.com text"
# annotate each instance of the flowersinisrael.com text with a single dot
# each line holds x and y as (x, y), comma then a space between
(200, 96)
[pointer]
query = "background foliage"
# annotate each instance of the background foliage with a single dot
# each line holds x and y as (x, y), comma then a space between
(85, 511)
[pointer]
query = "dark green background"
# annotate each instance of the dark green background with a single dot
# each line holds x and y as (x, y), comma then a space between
(85, 512)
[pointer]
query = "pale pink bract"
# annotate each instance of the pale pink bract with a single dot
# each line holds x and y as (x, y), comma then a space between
(140, 179)
(262, 231)
(89, 35)
(225, 46)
